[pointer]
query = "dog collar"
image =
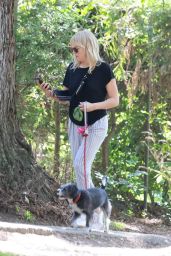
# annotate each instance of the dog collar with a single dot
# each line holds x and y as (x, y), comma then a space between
(77, 199)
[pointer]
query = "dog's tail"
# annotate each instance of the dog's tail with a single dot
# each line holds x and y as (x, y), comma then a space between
(104, 182)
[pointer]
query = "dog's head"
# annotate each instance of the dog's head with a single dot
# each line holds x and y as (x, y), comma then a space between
(67, 191)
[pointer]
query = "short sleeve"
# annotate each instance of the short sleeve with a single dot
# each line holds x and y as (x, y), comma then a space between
(108, 73)
(66, 81)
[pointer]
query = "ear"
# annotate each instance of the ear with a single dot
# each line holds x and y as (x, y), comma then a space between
(75, 184)
(65, 185)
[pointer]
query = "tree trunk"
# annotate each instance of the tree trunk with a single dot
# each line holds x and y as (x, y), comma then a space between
(147, 151)
(56, 168)
(19, 172)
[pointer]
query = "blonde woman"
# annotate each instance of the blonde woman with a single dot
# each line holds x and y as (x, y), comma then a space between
(98, 93)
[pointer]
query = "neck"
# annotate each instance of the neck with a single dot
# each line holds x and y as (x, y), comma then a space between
(84, 64)
(77, 198)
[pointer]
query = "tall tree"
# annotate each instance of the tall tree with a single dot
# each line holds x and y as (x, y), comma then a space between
(19, 172)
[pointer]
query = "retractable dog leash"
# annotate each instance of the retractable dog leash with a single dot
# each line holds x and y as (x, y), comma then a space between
(84, 132)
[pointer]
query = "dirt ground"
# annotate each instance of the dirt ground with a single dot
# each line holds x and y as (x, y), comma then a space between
(136, 225)
(80, 242)
(36, 245)
(140, 225)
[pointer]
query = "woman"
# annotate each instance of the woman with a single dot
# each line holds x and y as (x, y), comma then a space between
(98, 93)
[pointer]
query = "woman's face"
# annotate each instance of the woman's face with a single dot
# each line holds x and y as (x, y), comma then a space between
(79, 52)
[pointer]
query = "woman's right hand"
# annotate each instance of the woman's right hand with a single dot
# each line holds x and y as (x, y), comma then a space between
(47, 89)
(49, 93)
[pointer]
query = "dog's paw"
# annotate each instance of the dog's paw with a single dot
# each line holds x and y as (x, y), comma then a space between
(88, 229)
(74, 224)
(78, 224)
(106, 230)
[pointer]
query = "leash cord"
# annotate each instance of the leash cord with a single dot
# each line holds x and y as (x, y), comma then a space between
(85, 142)
(85, 176)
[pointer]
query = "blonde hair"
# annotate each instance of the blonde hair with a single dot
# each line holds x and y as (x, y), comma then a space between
(87, 40)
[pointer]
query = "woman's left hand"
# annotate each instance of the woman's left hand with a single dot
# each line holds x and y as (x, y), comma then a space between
(89, 106)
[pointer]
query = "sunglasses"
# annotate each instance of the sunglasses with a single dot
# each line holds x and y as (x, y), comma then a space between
(74, 49)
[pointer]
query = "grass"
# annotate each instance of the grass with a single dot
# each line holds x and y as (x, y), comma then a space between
(7, 254)
(116, 225)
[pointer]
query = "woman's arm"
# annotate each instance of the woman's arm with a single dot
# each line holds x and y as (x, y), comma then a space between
(49, 92)
(111, 101)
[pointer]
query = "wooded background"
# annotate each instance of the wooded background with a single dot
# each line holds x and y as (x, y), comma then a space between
(135, 38)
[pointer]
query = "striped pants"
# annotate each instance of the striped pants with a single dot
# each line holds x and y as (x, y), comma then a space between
(96, 135)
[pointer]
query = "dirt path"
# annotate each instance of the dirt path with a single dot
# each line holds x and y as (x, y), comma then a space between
(33, 240)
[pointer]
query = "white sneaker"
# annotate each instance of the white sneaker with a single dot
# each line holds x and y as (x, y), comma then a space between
(80, 222)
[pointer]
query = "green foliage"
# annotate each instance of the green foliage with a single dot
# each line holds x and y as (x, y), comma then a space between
(42, 33)
(25, 214)
(146, 29)
(116, 225)
(7, 254)
(28, 216)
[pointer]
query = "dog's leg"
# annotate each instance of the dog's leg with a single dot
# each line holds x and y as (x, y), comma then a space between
(106, 222)
(75, 216)
(97, 222)
(88, 217)
(107, 208)
(87, 220)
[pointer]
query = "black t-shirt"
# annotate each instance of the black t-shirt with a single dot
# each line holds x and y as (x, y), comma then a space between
(93, 90)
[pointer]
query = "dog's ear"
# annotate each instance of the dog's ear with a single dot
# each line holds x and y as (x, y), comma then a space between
(75, 184)
(61, 185)
(64, 185)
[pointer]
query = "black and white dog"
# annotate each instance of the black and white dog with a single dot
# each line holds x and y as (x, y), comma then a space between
(86, 201)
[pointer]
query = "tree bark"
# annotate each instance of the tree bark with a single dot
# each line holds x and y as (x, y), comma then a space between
(147, 151)
(56, 168)
(18, 170)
